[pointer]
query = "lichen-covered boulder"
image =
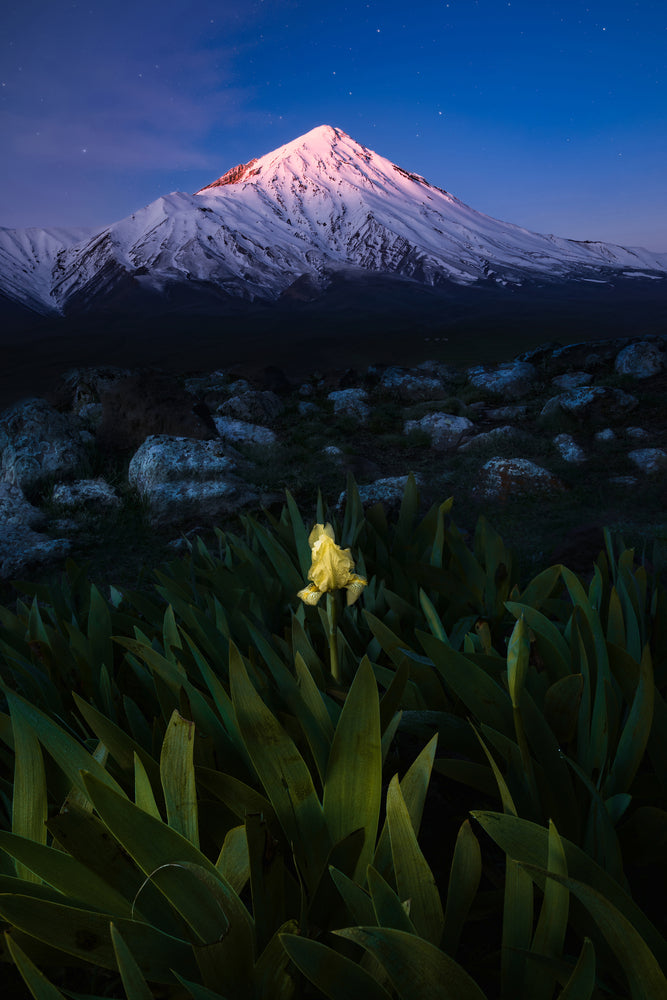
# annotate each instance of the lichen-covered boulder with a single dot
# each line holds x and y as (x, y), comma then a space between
(446, 430)
(571, 380)
(350, 403)
(255, 406)
(513, 411)
(637, 433)
(410, 385)
(211, 382)
(501, 478)
(183, 479)
(649, 460)
(242, 432)
(512, 379)
(491, 438)
(642, 360)
(569, 450)
(591, 403)
(38, 442)
(22, 548)
(91, 493)
(387, 491)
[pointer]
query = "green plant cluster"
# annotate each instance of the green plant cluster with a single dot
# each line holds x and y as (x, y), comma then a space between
(194, 807)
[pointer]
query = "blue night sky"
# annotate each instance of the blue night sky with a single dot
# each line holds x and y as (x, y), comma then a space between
(551, 115)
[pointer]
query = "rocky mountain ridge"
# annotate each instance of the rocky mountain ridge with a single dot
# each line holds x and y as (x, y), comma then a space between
(320, 207)
(564, 430)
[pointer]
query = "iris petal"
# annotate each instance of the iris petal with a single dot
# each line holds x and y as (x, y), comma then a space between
(331, 568)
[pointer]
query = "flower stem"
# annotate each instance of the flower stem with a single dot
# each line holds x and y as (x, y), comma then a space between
(333, 636)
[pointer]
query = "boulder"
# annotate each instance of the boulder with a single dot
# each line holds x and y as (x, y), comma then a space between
(569, 450)
(501, 478)
(591, 403)
(37, 442)
(21, 547)
(254, 406)
(637, 433)
(350, 403)
(85, 493)
(445, 430)
(491, 438)
(512, 379)
(649, 460)
(186, 480)
(201, 385)
(307, 409)
(587, 354)
(239, 386)
(411, 386)
(642, 359)
(241, 432)
(387, 491)
(540, 353)
(516, 411)
(571, 380)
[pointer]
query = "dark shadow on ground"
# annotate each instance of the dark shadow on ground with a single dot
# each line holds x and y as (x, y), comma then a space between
(350, 326)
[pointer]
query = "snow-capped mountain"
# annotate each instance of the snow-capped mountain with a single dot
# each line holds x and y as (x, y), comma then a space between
(288, 222)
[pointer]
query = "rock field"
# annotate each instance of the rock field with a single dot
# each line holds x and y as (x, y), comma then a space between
(194, 451)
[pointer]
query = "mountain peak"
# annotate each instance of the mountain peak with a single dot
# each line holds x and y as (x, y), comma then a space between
(319, 144)
(318, 208)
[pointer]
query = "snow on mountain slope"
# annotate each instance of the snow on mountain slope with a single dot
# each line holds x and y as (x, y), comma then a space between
(320, 205)
(27, 261)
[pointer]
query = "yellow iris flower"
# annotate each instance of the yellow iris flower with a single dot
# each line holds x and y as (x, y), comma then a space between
(331, 568)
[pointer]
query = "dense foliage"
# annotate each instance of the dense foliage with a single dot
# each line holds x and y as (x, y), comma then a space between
(464, 797)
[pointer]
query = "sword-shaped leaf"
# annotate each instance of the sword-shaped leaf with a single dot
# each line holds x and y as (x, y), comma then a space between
(233, 863)
(69, 755)
(29, 797)
(414, 878)
(136, 987)
(415, 967)
(86, 935)
(640, 966)
(481, 695)
(144, 796)
(414, 786)
(636, 731)
(464, 877)
(551, 645)
(353, 786)
(178, 777)
(357, 900)
(528, 844)
(284, 775)
(581, 984)
(552, 923)
(388, 908)
(121, 746)
(65, 873)
(183, 874)
(36, 981)
(338, 978)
